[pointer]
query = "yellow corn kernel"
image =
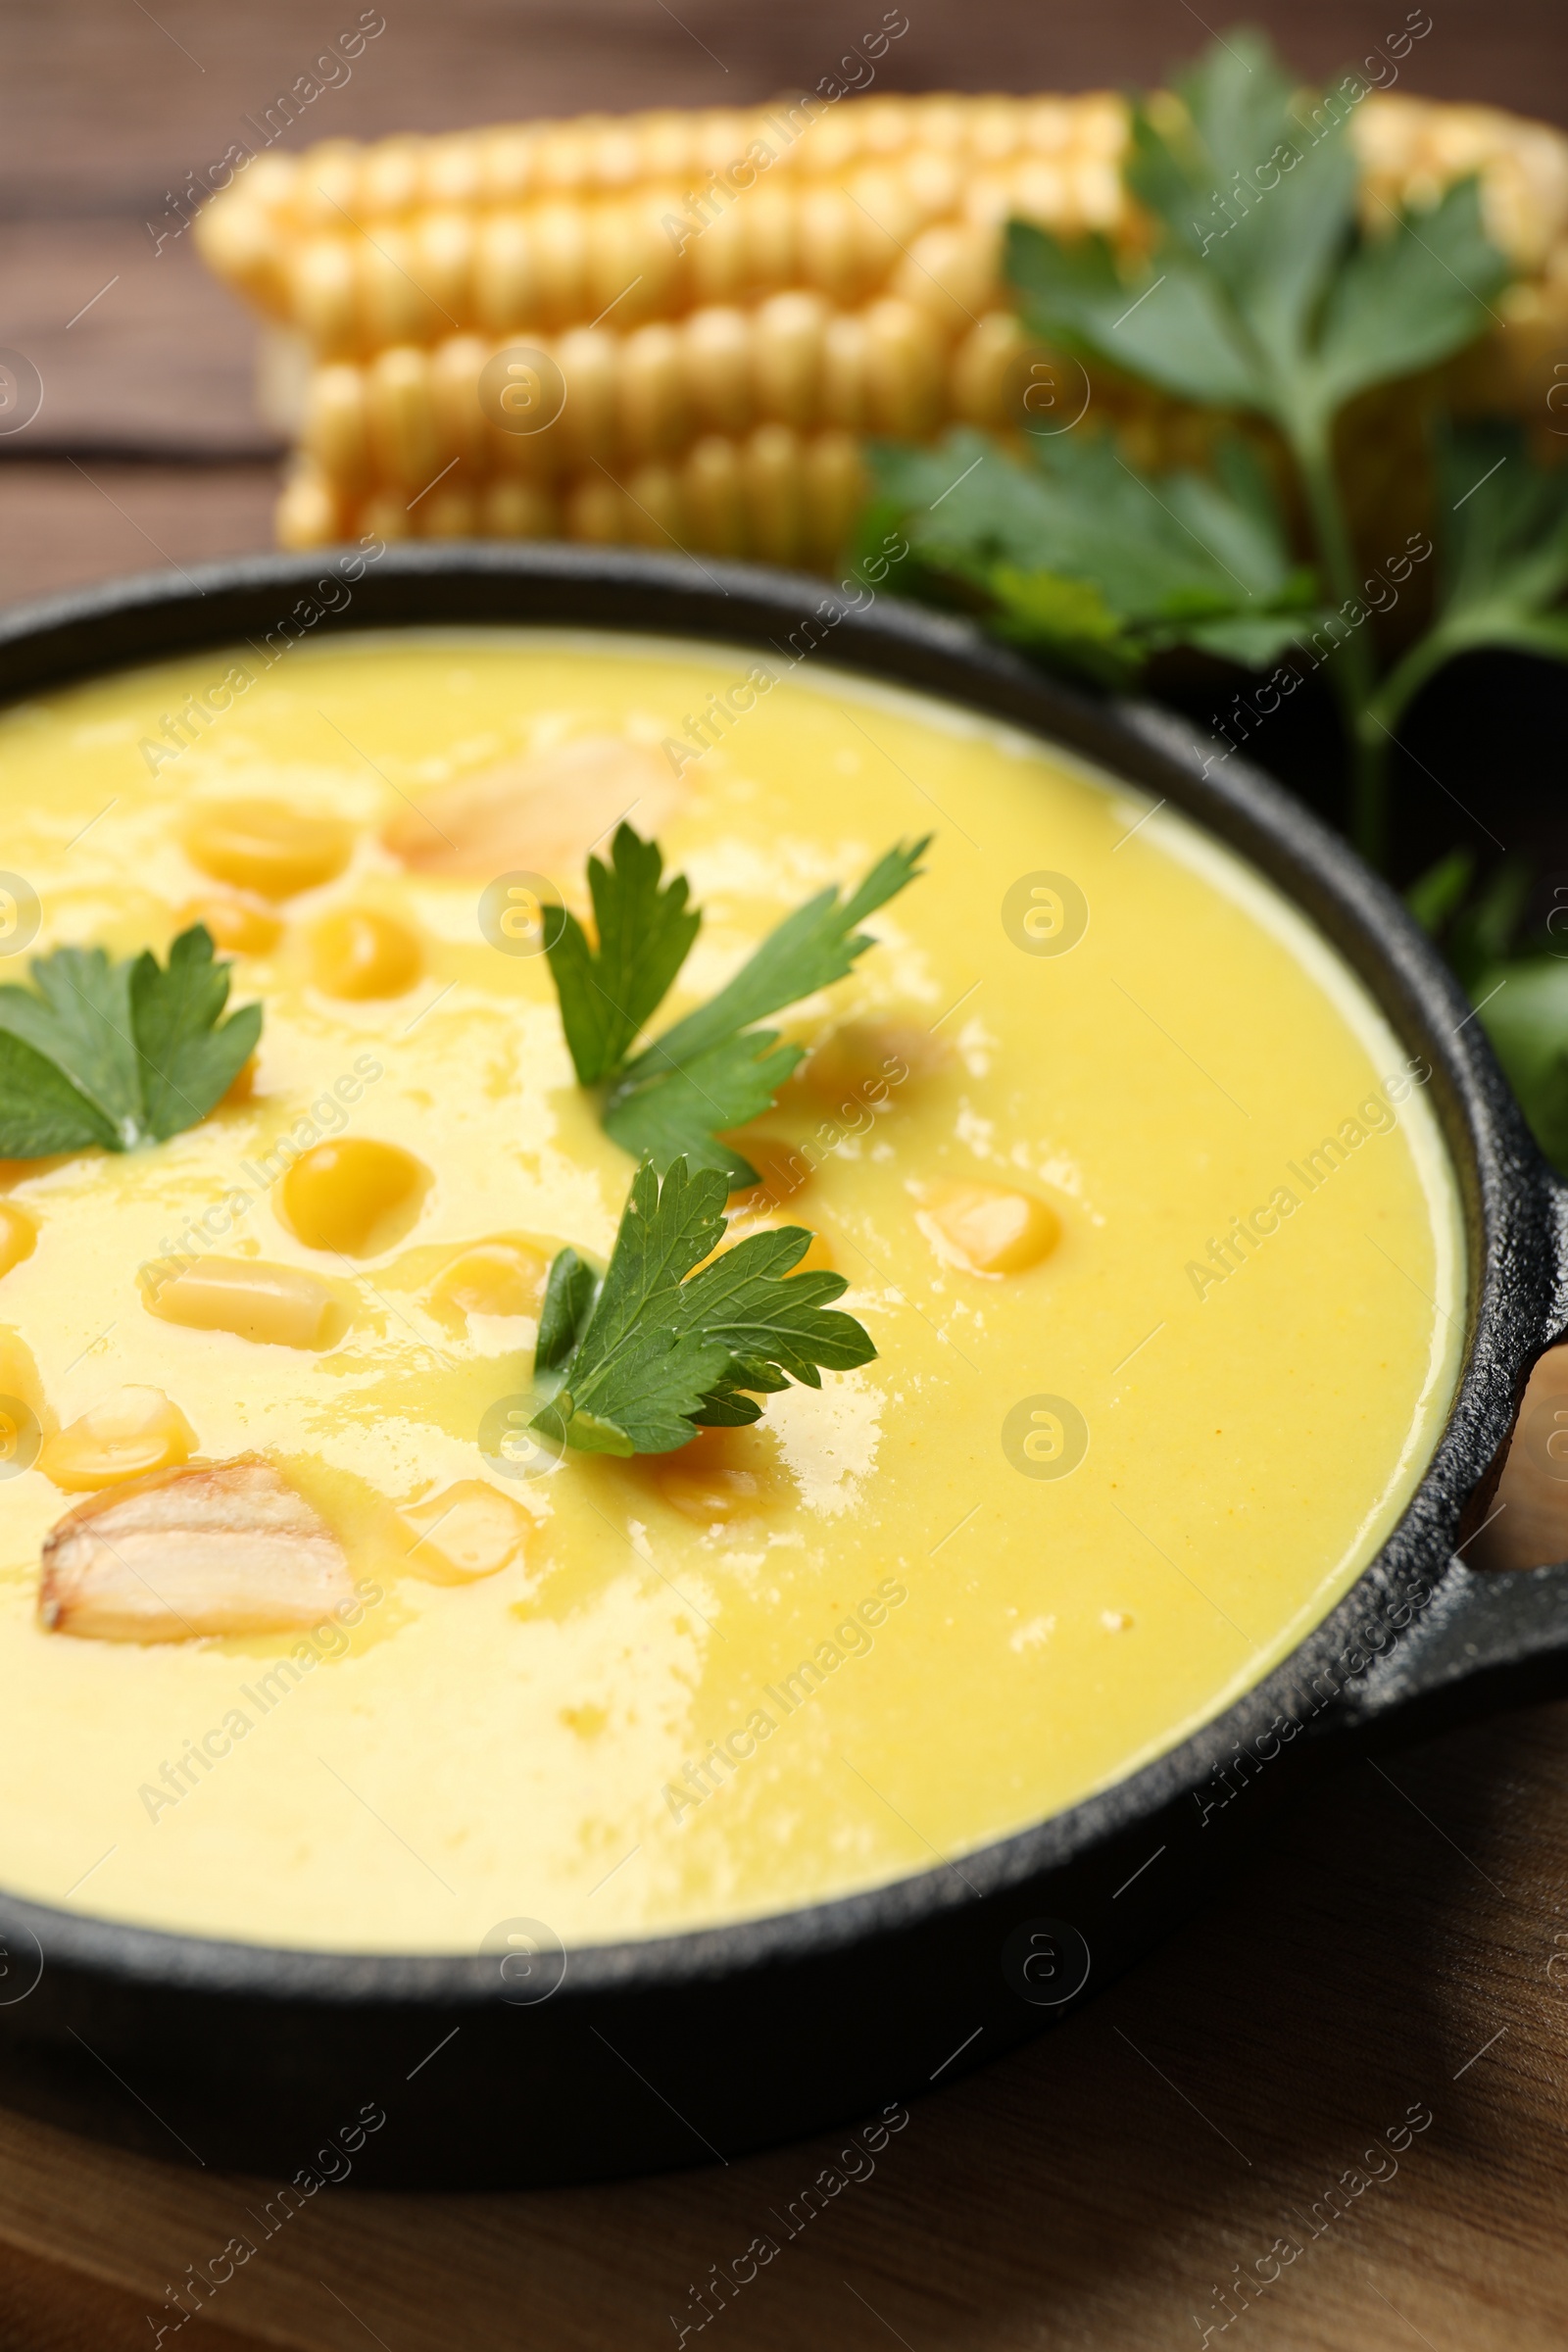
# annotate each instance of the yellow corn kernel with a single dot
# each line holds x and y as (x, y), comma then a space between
(470, 1531)
(391, 179)
(989, 375)
(453, 171)
(18, 1235)
(455, 368)
(713, 498)
(335, 432)
(560, 260)
(362, 952)
(267, 847)
(770, 477)
(443, 258)
(783, 1170)
(130, 1433)
(589, 361)
(24, 1413)
(308, 514)
(772, 249)
(830, 242)
(240, 926)
(277, 1307)
(324, 293)
(654, 418)
(867, 1061)
(242, 1086)
(904, 369)
(517, 511)
(716, 358)
(721, 1476)
(950, 272)
(845, 371)
(450, 512)
(385, 516)
(506, 291)
(400, 410)
(507, 165)
(787, 358)
(717, 260)
(657, 518)
(989, 1228)
(492, 1278)
(353, 1196)
(631, 263)
(394, 308)
(598, 510)
(835, 488)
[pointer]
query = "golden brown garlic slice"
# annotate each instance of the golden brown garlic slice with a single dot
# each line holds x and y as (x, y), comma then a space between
(539, 814)
(214, 1547)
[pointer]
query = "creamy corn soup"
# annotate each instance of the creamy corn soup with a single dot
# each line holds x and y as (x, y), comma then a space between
(1135, 1190)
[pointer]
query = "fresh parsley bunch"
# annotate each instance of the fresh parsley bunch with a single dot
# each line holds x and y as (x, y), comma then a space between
(114, 1054)
(1267, 303)
(716, 1069)
(1076, 556)
(637, 1363)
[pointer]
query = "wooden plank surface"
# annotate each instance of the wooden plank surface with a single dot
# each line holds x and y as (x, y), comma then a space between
(1394, 1946)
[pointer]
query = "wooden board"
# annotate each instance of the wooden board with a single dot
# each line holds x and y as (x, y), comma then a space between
(1396, 1946)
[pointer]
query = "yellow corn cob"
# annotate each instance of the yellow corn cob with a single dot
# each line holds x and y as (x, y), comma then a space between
(734, 299)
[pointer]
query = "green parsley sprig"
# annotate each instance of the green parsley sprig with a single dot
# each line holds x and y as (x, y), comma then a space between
(1266, 302)
(716, 1069)
(114, 1054)
(638, 1362)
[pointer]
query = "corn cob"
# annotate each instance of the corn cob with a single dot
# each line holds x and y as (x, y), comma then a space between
(734, 300)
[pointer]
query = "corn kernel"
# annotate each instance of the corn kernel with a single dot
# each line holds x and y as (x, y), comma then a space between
(353, 1196)
(267, 847)
(18, 1235)
(782, 1171)
(470, 1531)
(494, 1278)
(239, 926)
(129, 1434)
(990, 1229)
(860, 1062)
(280, 1306)
(724, 1475)
(361, 954)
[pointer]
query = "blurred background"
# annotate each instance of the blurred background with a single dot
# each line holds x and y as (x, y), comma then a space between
(148, 448)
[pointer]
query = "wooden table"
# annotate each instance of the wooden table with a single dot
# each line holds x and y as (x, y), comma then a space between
(1396, 1946)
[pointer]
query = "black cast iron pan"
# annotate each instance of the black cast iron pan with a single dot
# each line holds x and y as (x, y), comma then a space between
(653, 2054)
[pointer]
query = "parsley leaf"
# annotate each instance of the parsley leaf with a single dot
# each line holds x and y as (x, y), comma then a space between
(714, 1070)
(638, 1361)
(1079, 558)
(1269, 297)
(645, 935)
(114, 1054)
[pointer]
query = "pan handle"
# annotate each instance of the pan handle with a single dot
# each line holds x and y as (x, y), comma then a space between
(1487, 1638)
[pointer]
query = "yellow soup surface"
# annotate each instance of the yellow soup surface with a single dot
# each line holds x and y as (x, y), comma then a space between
(1136, 1192)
